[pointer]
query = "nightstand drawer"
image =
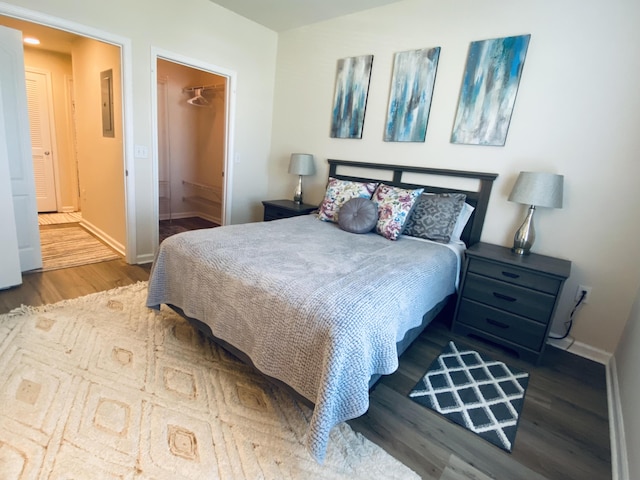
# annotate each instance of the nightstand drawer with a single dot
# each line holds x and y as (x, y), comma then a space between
(515, 275)
(277, 209)
(277, 214)
(501, 324)
(512, 298)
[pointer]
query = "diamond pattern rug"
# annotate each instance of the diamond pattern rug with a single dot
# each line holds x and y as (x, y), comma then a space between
(483, 395)
(101, 387)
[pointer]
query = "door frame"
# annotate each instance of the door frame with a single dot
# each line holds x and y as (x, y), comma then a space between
(230, 108)
(126, 60)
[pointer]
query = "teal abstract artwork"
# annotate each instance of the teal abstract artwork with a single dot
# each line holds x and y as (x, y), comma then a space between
(414, 75)
(489, 89)
(350, 99)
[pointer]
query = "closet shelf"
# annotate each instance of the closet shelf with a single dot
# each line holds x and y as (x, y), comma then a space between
(199, 192)
(200, 200)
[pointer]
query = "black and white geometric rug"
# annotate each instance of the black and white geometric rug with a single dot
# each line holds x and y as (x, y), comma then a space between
(472, 390)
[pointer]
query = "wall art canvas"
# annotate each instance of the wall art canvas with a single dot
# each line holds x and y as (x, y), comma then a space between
(350, 100)
(488, 92)
(414, 74)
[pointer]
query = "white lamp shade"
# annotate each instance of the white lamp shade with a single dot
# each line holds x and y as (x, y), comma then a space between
(302, 164)
(538, 189)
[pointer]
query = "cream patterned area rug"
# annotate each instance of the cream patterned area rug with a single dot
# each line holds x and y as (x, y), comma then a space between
(100, 387)
(71, 245)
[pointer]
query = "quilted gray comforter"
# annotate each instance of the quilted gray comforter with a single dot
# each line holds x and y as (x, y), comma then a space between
(314, 306)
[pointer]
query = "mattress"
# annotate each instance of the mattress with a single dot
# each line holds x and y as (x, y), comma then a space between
(314, 306)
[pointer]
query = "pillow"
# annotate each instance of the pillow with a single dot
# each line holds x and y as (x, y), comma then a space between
(338, 193)
(358, 215)
(435, 216)
(394, 205)
(463, 218)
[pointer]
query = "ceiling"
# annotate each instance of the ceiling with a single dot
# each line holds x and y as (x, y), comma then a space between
(281, 15)
(277, 15)
(51, 39)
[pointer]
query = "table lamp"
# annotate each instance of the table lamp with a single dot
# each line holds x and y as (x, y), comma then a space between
(301, 164)
(536, 189)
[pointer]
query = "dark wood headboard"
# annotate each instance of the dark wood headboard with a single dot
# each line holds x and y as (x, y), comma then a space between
(396, 175)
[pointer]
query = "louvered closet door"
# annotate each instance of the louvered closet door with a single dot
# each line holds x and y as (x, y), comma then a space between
(43, 170)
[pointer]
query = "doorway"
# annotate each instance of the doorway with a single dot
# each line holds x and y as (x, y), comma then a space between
(72, 187)
(192, 137)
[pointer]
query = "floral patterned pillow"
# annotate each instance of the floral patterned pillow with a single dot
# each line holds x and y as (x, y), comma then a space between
(340, 192)
(434, 216)
(394, 205)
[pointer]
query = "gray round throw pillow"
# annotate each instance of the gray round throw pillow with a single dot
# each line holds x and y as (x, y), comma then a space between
(358, 215)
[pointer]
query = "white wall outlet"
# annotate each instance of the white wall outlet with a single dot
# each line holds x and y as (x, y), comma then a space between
(583, 288)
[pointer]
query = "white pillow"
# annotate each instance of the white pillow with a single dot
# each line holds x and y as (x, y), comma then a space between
(463, 218)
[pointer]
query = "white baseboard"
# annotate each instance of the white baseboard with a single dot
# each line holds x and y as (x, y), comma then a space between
(619, 459)
(117, 246)
(581, 349)
(146, 258)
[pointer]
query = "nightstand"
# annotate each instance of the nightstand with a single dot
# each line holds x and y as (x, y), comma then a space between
(277, 209)
(509, 299)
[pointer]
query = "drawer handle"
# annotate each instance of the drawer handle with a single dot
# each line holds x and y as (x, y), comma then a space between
(504, 297)
(510, 274)
(495, 323)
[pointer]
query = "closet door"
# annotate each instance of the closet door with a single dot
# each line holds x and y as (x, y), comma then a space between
(18, 147)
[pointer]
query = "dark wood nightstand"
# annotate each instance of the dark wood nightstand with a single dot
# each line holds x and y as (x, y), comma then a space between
(276, 209)
(509, 299)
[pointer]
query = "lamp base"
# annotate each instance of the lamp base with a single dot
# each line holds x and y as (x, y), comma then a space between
(297, 194)
(526, 234)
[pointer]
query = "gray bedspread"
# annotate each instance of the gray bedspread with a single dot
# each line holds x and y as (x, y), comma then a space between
(314, 306)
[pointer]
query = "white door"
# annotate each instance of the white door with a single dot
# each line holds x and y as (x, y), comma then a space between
(10, 260)
(41, 145)
(18, 143)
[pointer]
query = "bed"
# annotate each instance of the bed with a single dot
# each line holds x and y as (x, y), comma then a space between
(323, 310)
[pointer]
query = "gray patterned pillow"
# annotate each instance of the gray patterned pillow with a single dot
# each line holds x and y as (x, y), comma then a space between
(434, 216)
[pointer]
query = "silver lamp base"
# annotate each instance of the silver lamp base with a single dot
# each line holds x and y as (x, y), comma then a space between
(297, 194)
(526, 234)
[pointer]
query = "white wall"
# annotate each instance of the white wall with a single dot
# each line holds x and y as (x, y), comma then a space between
(576, 113)
(201, 30)
(100, 158)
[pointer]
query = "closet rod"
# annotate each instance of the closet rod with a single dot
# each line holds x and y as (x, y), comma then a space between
(204, 88)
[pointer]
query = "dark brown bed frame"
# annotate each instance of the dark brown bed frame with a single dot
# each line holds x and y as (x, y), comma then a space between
(479, 199)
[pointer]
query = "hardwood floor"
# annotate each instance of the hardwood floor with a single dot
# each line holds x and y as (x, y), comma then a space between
(41, 288)
(171, 227)
(563, 432)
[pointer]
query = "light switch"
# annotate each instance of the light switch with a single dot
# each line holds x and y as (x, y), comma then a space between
(141, 151)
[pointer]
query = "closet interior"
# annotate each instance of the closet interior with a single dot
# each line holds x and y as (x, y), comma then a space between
(191, 147)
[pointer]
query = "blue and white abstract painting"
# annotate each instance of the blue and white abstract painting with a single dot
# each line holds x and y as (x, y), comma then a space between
(414, 75)
(350, 100)
(489, 89)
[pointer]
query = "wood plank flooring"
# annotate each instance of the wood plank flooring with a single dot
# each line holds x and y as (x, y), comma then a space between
(563, 432)
(177, 225)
